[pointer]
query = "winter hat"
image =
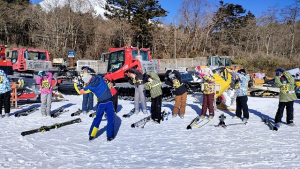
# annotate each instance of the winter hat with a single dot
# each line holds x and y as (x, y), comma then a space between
(86, 77)
(172, 76)
(198, 68)
(242, 71)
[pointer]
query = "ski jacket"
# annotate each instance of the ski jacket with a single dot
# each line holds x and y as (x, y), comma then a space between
(138, 80)
(209, 83)
(243, 80)
(45, 83)
(99, 88)
(154, 86)
(4, 83)
(179, 90)
(287, 91)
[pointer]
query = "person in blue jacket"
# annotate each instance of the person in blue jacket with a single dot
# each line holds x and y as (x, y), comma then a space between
(5, 91)
(97, 85)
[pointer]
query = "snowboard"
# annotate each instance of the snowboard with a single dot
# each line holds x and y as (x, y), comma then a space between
(47, 128)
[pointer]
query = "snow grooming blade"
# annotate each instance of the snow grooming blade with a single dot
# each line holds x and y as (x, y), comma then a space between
(47, 128)
(130, 113)
(269, 123)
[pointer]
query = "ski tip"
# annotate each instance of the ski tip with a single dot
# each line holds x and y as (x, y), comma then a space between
(132, 126)
(188, 127)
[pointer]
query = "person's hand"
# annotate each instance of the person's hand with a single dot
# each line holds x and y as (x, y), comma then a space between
(277, 73)
(40, 73)
(280, 70)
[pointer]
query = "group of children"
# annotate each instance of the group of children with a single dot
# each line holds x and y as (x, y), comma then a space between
(103, 89)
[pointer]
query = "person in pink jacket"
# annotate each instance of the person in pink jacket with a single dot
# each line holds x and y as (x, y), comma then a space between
(44, 80)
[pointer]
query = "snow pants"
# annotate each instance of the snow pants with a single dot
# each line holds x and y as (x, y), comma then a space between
(289, 112)
(5, 99)
(88, 102)
(208, 102)
(156, 108)
(139, 96)
(115, 102)
(241, 104)
(102, 107)
(180, 103)
(46, 100)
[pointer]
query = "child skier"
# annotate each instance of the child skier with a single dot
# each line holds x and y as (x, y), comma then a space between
(286, 97)
(241, 95)
(173, 78)
(208, 95)
(153, 84)
(5, 91)
(97, 85)
(135, 78)
(44, 79)
(88, 99)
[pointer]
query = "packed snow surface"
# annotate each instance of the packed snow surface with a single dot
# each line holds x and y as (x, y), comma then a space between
(163, 146)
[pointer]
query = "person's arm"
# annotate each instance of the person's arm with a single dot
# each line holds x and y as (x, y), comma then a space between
(38, 80)
(289, 77)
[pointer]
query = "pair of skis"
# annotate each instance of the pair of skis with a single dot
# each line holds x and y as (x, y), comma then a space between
(47, 128)
(196, 121)
(141, 123)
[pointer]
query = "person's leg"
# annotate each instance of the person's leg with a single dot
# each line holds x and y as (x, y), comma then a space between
(142, 97)
(115, 102)
(1, 103)
(6, 102)
(48, 104)
(289, 112)
(43, 104)
(97, 120)
(153, 108)
(238, 110)
(110, 119)
(158, 107)
(210, 104)
(84, 102)
(183, 103)
(176, 105)
(279, 113)
(204, 105)
(90, 101)
(136, 100)
(244, 105)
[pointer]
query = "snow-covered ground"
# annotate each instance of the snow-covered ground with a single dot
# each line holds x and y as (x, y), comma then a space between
(167, 145)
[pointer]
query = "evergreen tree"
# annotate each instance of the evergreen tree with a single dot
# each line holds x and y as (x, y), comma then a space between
(137, 12)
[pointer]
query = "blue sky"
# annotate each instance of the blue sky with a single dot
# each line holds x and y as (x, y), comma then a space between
(255, 6)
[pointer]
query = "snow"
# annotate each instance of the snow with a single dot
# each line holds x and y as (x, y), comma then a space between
(167, 145)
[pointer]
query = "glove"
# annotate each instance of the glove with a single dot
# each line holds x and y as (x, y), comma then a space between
(277, 73)
(40, 73)
(280, 70)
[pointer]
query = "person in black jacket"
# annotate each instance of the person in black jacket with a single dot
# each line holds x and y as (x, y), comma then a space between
(135, 78)
(173, 78)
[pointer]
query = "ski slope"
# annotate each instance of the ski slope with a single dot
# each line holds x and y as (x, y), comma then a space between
(157, 146)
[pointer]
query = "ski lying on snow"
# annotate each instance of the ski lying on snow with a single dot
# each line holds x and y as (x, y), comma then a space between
(270, 123)
(47, 128)
(77, 113)
(194, 122)
(26, 112)
(141, 122)
(232, 124)
(59, 111)
(130, 113)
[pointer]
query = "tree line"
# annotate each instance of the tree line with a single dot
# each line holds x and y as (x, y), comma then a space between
(258, 43)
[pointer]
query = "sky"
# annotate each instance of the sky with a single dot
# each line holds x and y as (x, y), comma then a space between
(255, 6)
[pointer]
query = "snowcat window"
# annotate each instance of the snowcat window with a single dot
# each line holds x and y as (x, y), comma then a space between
(144, 55)
(116, 61)
(227, 62)
(14, 56)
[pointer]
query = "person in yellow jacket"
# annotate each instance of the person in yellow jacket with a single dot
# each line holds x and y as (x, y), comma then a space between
(208, 95)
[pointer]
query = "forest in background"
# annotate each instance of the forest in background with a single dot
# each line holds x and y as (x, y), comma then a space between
(257, 43)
